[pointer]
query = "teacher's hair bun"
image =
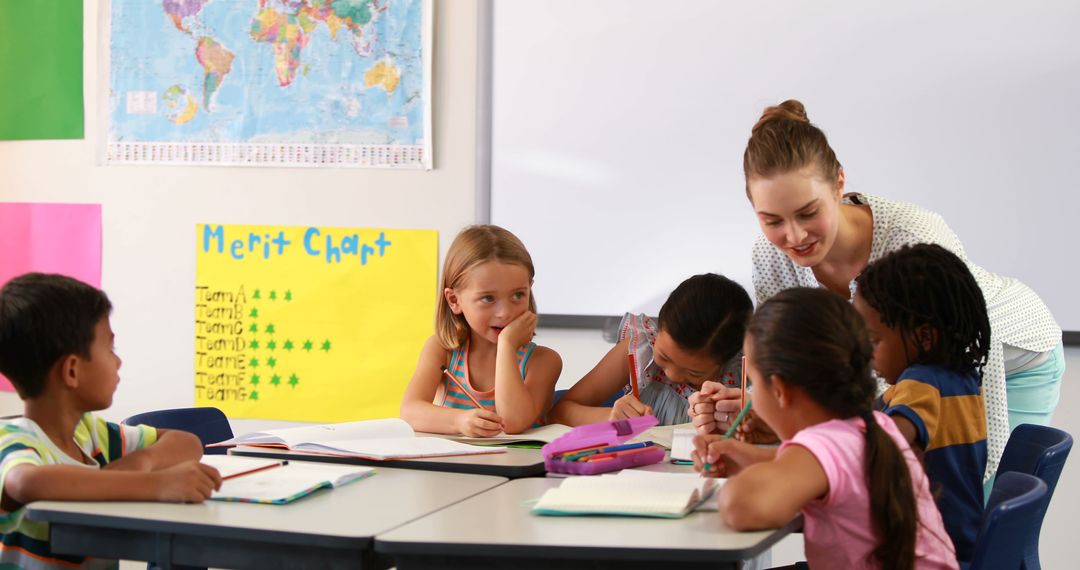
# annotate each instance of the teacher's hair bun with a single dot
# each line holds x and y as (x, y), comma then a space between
(790, 110)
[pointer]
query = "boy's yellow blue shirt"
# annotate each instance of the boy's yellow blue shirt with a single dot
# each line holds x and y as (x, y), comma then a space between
(24, 543)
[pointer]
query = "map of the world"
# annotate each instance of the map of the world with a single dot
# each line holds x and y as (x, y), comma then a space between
(270, 82)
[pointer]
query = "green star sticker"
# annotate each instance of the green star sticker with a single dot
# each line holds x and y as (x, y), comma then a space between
(293, 380)
(254, 327)
(255, 344)
(270, 328)
(257, 295)
(308, 345)
(254, 363)
(288, 295)
(272, 345)
(275, 380)
(326, 345)
(254, 395)
(288, 345)
(273, 295)
(271, 362)
(254, 313)
(255, 379)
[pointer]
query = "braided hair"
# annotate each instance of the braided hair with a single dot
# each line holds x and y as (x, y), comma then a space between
(926, 284)
(814, 339)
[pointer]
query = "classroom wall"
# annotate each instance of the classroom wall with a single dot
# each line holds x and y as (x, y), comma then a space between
(150, 212)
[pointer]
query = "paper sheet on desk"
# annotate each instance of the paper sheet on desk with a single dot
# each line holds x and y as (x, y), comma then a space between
(691, 479)
(682, 443)
(661, 435)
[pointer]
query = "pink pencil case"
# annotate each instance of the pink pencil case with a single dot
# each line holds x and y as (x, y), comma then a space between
(606, 434)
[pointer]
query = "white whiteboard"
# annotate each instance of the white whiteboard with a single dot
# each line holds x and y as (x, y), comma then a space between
(618, 128)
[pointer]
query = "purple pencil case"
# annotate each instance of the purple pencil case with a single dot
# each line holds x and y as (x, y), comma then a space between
(601, 433)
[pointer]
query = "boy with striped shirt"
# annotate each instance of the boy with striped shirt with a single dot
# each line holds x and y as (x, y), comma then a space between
(56, 348)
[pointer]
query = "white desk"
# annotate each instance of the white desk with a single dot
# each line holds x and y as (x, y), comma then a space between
(496, 530)
(513, 464)
(329, 529)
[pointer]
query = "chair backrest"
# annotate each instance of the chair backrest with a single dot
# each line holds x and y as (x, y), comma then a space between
(1037, 450)
(209, 424)
(1040, 451)
(1013, 516)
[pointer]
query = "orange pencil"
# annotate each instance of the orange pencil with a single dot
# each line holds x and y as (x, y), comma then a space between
(462, 388)
(631, 361)
(742, 383)
(256, 470)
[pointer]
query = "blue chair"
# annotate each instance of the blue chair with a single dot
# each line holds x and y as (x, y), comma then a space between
(209, 424)
(1011, 521)
(1040, 451)
(1037, 450)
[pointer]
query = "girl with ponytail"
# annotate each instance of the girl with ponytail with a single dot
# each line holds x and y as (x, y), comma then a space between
(864, 495)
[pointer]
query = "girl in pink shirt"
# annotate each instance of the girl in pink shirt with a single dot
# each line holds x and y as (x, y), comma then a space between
(863, 494)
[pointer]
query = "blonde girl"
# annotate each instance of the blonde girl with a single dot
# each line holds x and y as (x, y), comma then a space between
(480, 373)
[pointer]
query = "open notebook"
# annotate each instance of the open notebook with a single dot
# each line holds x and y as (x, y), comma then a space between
(632, 493)
(660, 435)
(280, 484)
(542, 434)
(373, 439)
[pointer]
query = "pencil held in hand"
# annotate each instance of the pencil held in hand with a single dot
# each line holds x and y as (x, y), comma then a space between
(465, 391)
(738, 419)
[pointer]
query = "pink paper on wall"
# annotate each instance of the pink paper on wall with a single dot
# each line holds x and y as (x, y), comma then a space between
(50, 238)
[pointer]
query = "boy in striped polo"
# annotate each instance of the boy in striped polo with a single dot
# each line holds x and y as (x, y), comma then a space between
(931, 336)
(56, 348)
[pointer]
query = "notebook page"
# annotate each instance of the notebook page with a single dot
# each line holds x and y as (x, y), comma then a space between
(544, 434)
(286, 483)
(291, 437)
(706, 486)
(396, 448)
(229, 465)
(617, 496)
(682, 443)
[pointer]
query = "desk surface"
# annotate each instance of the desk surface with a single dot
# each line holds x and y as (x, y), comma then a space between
(513, 464)
(497, 523)
(344, 518)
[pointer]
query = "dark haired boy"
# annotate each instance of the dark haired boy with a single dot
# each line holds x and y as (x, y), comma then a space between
(928, 324)
(56, 347)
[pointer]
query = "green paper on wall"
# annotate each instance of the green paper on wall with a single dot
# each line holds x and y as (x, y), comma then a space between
(41, 69)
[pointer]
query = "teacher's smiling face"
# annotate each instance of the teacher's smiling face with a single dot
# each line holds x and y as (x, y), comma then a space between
(799, 212)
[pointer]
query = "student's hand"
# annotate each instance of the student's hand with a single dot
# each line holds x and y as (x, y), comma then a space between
(725, 457)
(754, 430)
(479, 422)
(726, 404)
(519, 331)
(702, 407)
(629, 407)
(187, 482)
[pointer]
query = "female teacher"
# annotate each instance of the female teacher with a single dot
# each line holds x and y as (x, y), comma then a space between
(814, 235)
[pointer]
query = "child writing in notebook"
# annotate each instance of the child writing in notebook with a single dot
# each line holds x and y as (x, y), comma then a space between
(56, 348)
(480, 373)
(931, 336)
(660, 364)
(864, 496)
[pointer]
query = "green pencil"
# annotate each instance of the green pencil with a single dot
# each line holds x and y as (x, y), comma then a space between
(734, 425)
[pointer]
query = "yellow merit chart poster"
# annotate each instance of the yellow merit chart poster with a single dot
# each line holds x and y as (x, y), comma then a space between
(310, 323)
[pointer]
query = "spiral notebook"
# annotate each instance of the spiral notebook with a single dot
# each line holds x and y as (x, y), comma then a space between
(252, 480)
(631, 493)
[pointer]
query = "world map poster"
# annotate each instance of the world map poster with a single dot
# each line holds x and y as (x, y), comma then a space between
(332, 83)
